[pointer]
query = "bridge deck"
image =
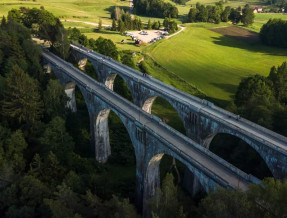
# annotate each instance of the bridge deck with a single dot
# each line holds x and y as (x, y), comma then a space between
(213, 164)
(246, 127)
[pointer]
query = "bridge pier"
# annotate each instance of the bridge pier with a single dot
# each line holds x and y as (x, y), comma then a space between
(82, 63)
(151, 138)
(100, 139)
(70, 92)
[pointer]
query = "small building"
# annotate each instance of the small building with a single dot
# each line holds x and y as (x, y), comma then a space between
(257, 10)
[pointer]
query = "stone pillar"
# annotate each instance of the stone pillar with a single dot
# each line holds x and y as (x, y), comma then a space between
(110, 81)
(148, 104)
(47, 68)
(70, 92)
(151, 181)
(82, 63)
(100, 135)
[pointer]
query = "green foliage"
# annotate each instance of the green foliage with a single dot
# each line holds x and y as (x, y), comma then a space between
(165, 202)
(22, 104)
(55, 99)
(268, 199)
(149, 25)
(247, 16)
(278, 77)
(274, 33)
(14, 15)
(13, 150)
(155, 8)
(225, 14)
(114, 25)
(192, 15)
(211, 13)
(263, 100)
(57, 140)
(107, 47)
(156, 25)
(127, 59)
(263, 200)
(235, 16)
(224, 203)
(170, 25)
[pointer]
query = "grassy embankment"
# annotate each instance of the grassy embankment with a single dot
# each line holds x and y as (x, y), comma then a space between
(212, 62)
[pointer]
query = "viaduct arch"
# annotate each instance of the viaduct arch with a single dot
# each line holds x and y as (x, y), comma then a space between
(152, 138)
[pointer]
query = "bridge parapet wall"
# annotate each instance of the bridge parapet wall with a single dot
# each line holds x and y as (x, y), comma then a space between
(191, 131)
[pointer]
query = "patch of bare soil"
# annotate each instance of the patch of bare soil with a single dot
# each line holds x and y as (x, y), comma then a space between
(238, 33)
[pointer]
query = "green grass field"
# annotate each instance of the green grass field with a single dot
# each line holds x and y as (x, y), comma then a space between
(262, 18)
(88, 10)
(212, 62)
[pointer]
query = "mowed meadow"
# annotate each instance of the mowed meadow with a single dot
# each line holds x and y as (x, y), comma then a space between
(208, 60)
(86, 10)
(212, 62)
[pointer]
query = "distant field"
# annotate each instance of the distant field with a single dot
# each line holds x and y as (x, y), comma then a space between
(213, 62)
(261, 19)
(88, 10)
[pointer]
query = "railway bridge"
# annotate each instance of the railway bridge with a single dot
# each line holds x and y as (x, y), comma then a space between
(152, 138)
(202, 119)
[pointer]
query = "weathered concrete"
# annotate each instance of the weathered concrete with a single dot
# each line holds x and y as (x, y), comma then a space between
(70, 91)
(150, 137)
(202, 120)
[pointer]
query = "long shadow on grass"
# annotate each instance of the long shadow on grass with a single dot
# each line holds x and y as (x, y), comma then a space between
(230, 88)
(256, 47)
(218, 102)
(112, 8)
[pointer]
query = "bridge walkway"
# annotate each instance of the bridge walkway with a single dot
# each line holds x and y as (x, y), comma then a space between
(212, 164)
(244, 126)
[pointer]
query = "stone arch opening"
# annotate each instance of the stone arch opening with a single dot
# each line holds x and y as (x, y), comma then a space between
(78, 123)
(239, 153)
(114, 148)
(116, 83)
(90, 70)
(165, 111)
(70, 92)
(189, 190)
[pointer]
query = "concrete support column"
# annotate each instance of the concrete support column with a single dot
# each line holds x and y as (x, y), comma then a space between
(47, 68)
(82, 63)
(110, 81)
(100, 135)
(70, 92)
(151, 181)
(148, 104)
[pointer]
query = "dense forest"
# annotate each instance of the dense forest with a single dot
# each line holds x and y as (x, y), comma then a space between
(155, 8)
(216, 13)
(46, 167)
(274, 33)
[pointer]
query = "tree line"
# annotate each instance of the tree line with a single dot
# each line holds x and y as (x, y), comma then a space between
(274, 33)
(122, 21)
(263, 99)
(46, 169)
(216, 13)
(155, 8)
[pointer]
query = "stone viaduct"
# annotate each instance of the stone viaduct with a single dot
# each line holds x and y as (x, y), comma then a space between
(151, 137)
(202, 120)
